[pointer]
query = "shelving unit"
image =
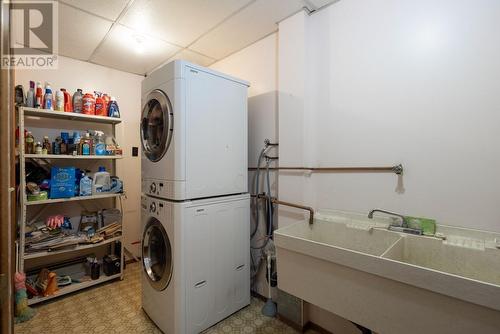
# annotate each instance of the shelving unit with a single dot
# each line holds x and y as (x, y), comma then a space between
(33, 113)
(72, 157)
(74, 287)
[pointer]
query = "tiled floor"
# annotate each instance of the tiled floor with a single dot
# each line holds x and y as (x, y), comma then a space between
(115, 308)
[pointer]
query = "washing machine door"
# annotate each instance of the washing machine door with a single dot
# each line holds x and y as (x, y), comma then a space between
(156, 125)
(157, 258)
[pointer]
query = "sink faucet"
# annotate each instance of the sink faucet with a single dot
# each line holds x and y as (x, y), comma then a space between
(402, 227)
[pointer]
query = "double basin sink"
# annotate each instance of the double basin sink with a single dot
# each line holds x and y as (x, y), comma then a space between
(465, 264)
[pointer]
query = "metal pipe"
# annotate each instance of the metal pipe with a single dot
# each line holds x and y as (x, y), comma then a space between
(293, 205)
(398, 169)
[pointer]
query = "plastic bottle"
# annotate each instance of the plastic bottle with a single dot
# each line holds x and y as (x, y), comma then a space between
(67, 100)
(64, 143)
(99, 144)
(78, 101)
(48, 103)
(100, 108)
(86, 145)
(113, 110)
(38, 148)
(30, 96)
(38, 95)
(59, 101)
(85, 185)
(76, 143)
(88, 106)
(101, 182)
(29, 143)
(46, 147)
(106, 99)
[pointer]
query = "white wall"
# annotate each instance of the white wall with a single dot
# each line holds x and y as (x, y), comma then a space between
(126, 87)
(412, 82)
(258, 65)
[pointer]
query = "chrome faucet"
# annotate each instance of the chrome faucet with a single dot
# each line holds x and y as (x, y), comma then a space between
(402, 227)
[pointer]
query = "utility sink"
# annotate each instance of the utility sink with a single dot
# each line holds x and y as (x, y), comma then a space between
(478, 263)
(349, 237)
(465, 265)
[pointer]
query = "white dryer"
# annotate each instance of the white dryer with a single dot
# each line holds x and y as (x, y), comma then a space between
(195, 261)
(194, 133)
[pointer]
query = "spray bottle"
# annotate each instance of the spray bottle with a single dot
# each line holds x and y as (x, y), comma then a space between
(39, 95)
(30, 96)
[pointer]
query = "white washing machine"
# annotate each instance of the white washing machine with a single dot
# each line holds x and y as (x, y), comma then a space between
(194, 133)
(195, 259)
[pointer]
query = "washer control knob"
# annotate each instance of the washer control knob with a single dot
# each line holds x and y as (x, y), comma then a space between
(152, 187)
(152, 207)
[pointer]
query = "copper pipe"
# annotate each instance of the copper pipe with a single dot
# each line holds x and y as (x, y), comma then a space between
(398, 169)
(293, 205)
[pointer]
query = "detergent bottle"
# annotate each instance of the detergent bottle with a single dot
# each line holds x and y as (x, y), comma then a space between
(30, 96)
(38, 95)
(48, 102)
(88, 106)
(101, 182)
(78, 101)
(85, 185)
(100, 109)
(113, 110)
(59, 101)
(67, 101)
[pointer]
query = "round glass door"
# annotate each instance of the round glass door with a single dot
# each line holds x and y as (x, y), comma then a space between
(156, 125)
(157, 255)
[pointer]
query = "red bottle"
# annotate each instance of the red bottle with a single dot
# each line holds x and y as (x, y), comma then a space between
(106, 98)
(88, 106)
(67, 101)
(100, 108)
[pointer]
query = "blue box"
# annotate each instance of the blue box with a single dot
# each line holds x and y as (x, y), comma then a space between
(62, 182)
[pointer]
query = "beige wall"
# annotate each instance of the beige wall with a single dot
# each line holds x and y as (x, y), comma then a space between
(126, 87)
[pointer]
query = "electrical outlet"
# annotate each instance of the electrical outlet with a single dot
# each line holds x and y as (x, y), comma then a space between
(135, 151)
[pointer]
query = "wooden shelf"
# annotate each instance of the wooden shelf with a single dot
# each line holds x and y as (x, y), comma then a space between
(36, 255)
(35, 112)
(75, 157)
(73, 199)
(74, 287)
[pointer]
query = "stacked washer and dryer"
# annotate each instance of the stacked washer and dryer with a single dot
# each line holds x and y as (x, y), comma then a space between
(195, 203)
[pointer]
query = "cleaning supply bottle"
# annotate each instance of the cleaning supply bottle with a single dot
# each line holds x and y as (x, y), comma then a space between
(99, 144)
(113, 110)
(59, 101)
(76, 143)
(46, 147)
(85, 185)
(86, 145)
(30, 96)
(101, 182)
(88, 106)
(67, 101)
(48, 103)
(100, 109)
(78, 101)
(29, 143)
(38, 95)
(106, 100)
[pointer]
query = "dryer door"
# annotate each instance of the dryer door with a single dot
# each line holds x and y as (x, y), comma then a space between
(156, 125)
(157, 257)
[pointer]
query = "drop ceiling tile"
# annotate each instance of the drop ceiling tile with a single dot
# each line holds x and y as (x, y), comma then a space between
(193, 57)
(127, 50)
(249, 25)
(79, 32)
(321, 3)
(109, 9)
(179, 22)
